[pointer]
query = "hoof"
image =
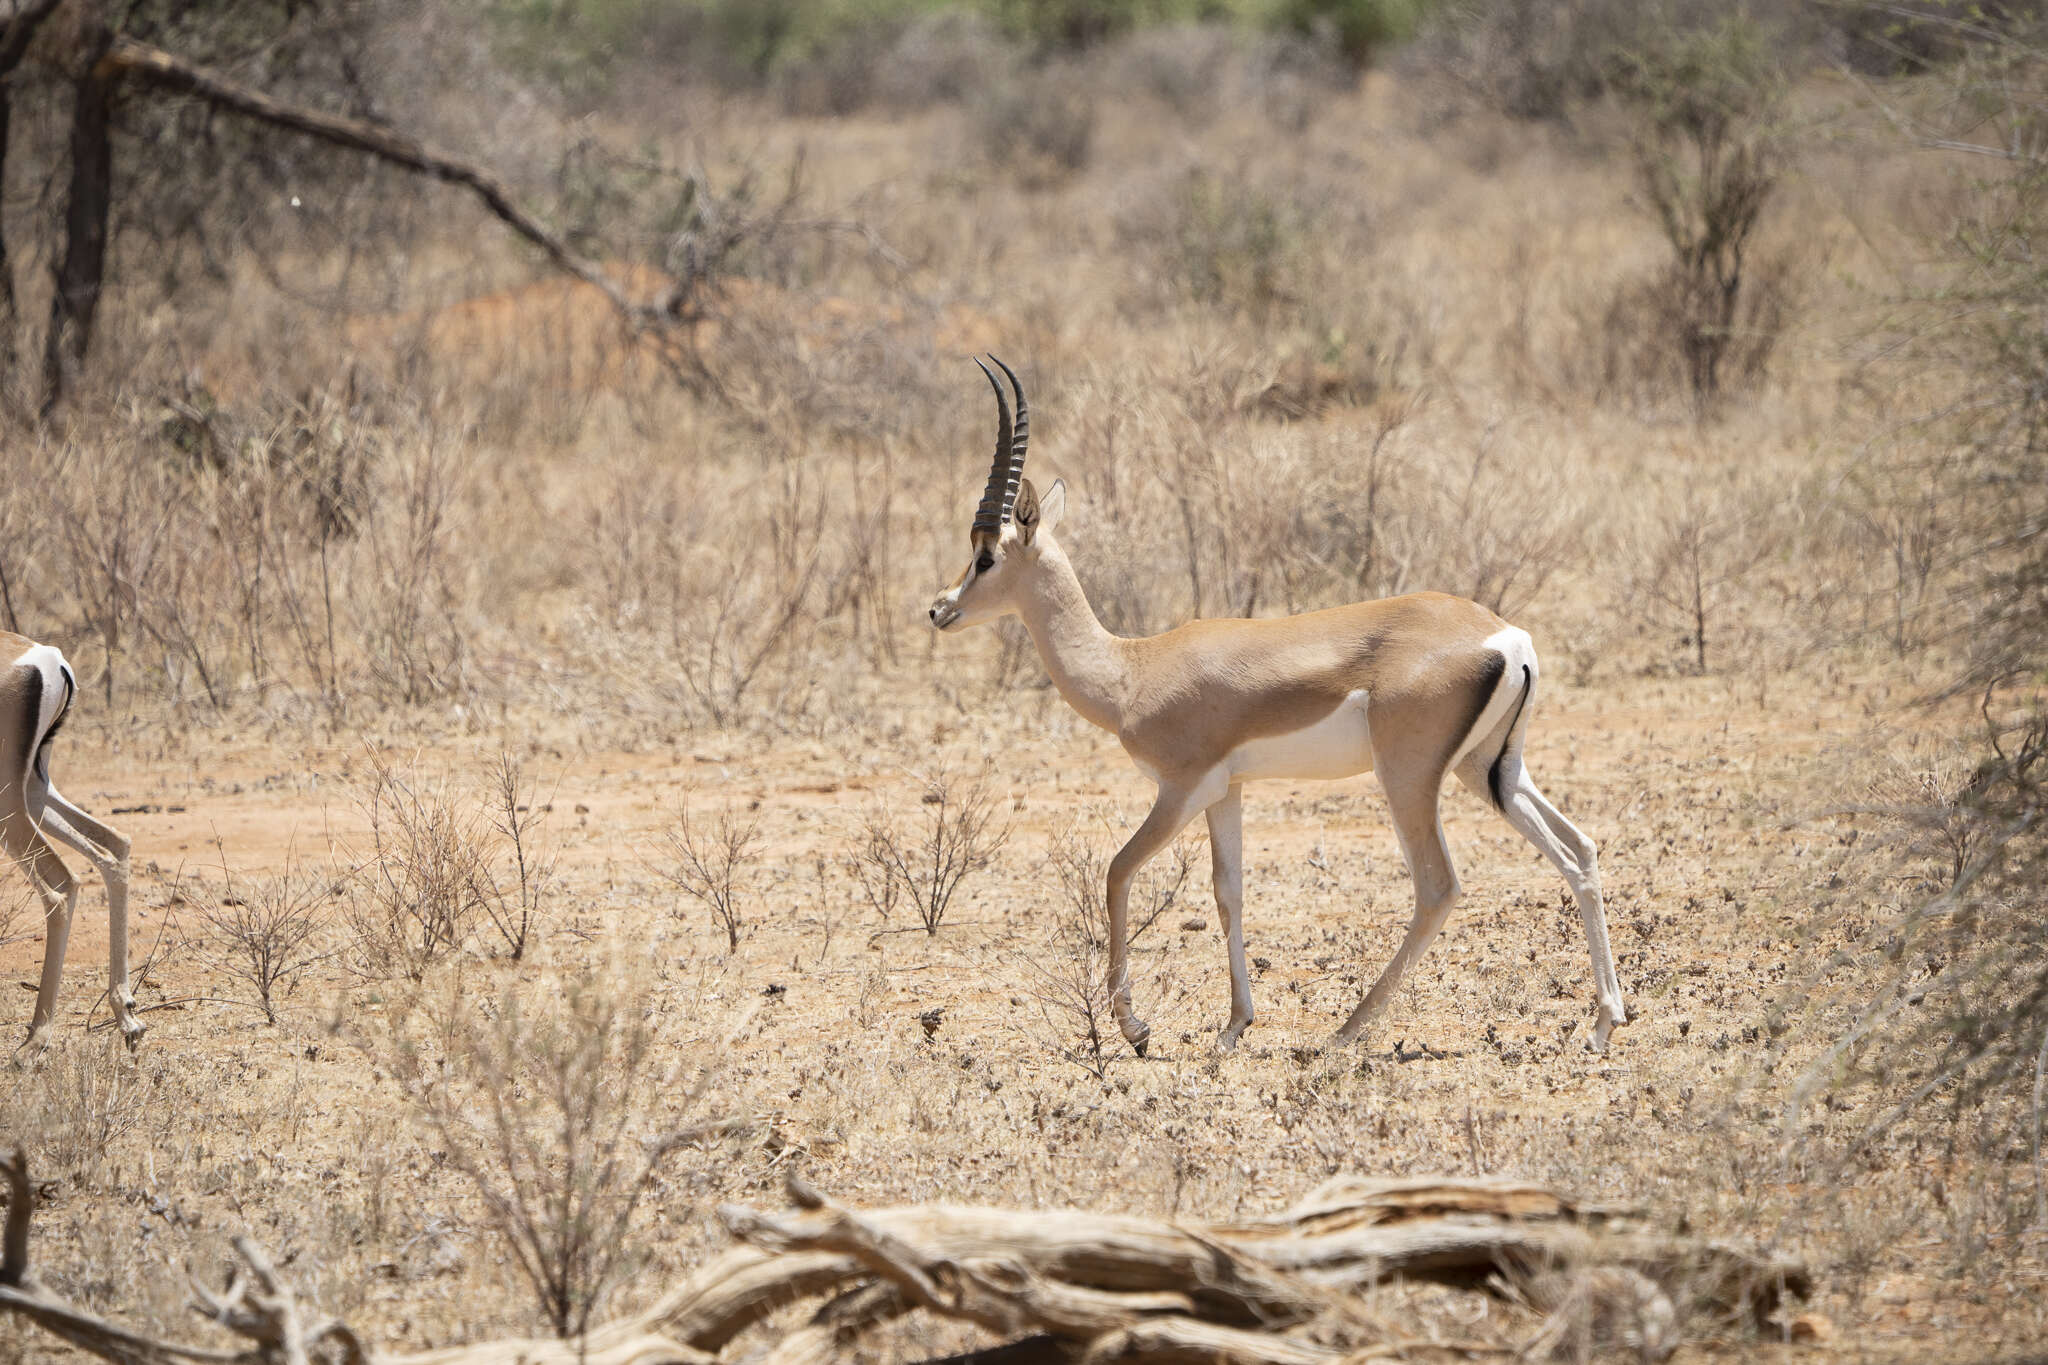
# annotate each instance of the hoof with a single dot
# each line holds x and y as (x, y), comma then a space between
(1137, 1033)
(1597, 1040)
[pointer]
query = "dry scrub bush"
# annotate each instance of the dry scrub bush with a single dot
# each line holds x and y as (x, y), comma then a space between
(1227, 241)
(1251, 520)
(265, 932)
(1930, 970)
(418, 898)
(428, 882)
(77, 1104)
(18, 907)
(519, 905)
(1689, 560)
(207, 557)
(921, 863)
(1037, 129)
(723, 598)
(559, 1105)
(1707, 160)
(1067, 976)
(1539, 59)
(1903, 512)
(714, 864)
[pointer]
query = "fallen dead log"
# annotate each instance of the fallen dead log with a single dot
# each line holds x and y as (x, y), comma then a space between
(1062, 1285)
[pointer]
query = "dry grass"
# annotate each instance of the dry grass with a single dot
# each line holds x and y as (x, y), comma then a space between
(1283, 360)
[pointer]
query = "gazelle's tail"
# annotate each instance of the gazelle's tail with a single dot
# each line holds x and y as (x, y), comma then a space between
(1514, 737)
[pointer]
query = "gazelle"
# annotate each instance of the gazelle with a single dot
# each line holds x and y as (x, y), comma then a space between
(35, 693)
(1409, 687)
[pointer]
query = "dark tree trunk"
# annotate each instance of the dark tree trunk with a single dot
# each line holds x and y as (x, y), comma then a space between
(10, 318)
(76, 296)
(14, 40)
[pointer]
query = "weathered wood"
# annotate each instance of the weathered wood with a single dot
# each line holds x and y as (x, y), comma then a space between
(1060, 1286)
(834, 1329)
(1106, 1251)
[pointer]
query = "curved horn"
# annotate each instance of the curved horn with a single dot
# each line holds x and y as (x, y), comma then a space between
(995, 501)
(1019, 439)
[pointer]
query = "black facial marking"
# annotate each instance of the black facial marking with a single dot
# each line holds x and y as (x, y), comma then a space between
(985, 562)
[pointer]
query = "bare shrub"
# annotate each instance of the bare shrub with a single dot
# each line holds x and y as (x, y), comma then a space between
(264, 933)
(444, 863)
(750, 615)
(1706, 162)
(111, 536)
(414, 645)
(419, 897)
(557, 1103)
(1696, 329)
(1067, 976)
(1184, 66)
(78, 1102)
(1905, 511)
(1536, 59)
(1227, 243)
(942, 57)
(1038, 128)
(1512, 523)
(893, 860)
(714, 864)
(1938, 1003)
(1693, 558)
(17, 905)
(1080, 861)
(517, 908)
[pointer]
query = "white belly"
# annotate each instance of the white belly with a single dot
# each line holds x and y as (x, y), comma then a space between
(1338, 745)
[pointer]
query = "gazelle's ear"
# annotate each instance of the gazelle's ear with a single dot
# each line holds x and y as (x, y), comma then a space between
(1053, 506)
(1025, 514)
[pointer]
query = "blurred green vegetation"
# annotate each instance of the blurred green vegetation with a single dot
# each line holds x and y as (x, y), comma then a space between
(580, 44)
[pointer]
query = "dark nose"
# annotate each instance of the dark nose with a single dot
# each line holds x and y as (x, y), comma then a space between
(933, 613)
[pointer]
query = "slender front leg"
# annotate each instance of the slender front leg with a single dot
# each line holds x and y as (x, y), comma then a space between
(1175, 806)
(107, 849)
(1226, 875)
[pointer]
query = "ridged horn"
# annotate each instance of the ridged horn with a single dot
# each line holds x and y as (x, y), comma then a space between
(1020, 437)
(995, 502)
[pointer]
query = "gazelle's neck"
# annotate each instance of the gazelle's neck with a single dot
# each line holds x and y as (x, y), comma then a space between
(1088, 665)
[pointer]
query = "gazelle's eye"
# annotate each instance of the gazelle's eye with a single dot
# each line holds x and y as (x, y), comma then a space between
(986, 562)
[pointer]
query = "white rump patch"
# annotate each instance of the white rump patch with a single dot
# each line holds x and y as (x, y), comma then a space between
(1517, 651)
(1338, 745)
(47, 660)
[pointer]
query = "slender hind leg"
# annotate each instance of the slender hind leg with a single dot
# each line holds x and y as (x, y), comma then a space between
(58, 892)
(1573, 854)
(107, 849)
(1226, 869)
(1414, 805)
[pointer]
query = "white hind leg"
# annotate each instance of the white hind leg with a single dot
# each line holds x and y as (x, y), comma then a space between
(107, 849)
(1572, 853)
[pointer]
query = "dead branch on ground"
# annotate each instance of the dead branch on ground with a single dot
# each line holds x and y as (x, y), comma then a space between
(1060, 1285)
